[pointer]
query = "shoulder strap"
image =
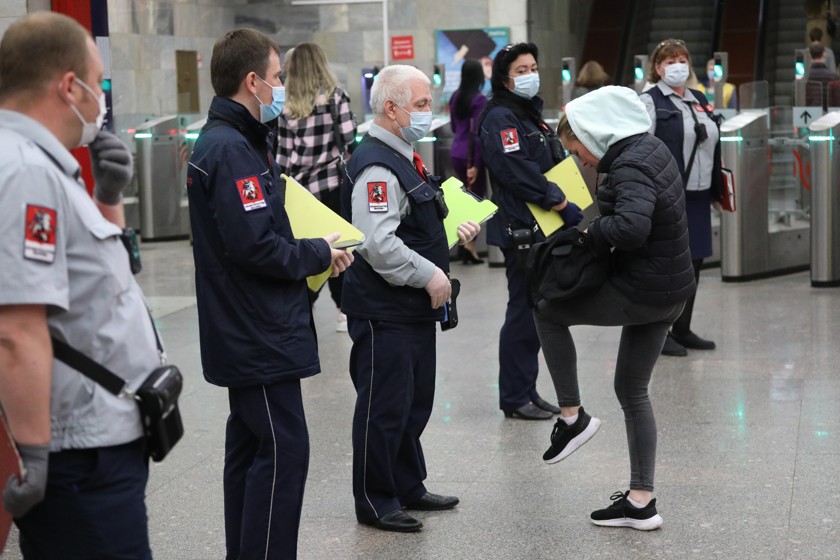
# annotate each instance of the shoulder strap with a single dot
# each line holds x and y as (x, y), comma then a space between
(110, 381)
(92, 369)
(342, 149)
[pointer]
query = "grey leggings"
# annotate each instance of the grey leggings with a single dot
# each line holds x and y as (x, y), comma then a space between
(642, 338)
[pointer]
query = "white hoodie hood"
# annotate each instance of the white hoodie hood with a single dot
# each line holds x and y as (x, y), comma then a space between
(603, 117)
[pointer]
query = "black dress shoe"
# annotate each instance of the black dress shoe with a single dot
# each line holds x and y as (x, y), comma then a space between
(529, 411)
(673, 348)
(397, 521)
(691, 340)
(545, 405)
(433, 502)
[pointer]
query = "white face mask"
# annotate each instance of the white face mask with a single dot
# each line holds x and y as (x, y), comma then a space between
(90, 130)
(526, 85)
(676, 74)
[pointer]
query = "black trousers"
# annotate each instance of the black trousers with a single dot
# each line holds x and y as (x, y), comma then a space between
(94, 507)
(392, 366)
(519, 344)
(266, 462)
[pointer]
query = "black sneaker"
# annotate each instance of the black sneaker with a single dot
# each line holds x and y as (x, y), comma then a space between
(566, 439)
(623, 514)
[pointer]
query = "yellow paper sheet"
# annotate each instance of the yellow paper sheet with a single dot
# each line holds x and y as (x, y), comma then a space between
(463, 206)
(310, 219)
(567, 177)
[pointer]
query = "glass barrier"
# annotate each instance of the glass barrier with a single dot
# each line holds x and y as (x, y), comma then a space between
(754, 95)
(789, 198)
(833, 94)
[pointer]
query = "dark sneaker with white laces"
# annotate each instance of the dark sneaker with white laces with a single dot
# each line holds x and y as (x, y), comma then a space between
(623, 514)
(566, 439)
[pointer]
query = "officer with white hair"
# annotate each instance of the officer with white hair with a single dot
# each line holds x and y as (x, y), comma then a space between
(393, 296)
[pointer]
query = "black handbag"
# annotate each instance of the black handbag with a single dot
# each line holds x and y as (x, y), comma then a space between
(157, 396)
(564, 266)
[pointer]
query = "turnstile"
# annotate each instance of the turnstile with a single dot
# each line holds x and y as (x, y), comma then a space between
(825, 200)
(160, 157)
(752, 245)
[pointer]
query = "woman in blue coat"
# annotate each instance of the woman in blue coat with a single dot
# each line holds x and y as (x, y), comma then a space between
(518, 147)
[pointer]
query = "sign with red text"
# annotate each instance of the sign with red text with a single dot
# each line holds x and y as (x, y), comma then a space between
(402, 48)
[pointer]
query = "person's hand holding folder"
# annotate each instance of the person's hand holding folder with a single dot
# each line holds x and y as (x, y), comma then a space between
(570, 212)
(467, 231)
(340, 259)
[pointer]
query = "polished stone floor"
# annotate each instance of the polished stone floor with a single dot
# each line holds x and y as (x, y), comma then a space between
(749, 437)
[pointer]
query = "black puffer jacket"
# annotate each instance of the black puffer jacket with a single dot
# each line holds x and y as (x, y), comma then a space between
(642, 206)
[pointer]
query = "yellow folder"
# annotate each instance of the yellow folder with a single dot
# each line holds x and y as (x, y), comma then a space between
(463, 206)
(310, 219)
(567, 177)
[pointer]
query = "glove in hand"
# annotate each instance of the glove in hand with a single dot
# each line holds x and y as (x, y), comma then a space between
(19, 497)
(571, 215)
(113, 167)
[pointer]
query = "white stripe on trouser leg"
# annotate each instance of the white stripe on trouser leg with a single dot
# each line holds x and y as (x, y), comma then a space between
(367, 424)
(274, 477)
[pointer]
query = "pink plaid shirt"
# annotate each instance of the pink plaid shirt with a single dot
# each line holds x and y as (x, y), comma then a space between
(306, 147)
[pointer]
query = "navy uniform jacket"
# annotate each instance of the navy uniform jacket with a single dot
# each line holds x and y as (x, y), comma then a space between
(254, 317)
(517, 151)
(366, 294)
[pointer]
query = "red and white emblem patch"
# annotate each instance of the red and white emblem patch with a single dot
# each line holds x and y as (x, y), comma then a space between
(510, 140)
(39, 237)
(251, 193)
(377, 196)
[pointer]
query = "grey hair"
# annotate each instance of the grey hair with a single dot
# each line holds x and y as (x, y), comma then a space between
(392, 83)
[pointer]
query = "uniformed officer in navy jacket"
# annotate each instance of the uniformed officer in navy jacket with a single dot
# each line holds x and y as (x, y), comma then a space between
(255, 322)
(519, 147)
(393, 296)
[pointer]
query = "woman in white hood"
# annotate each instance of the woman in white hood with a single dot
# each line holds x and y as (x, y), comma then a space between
(642, 227)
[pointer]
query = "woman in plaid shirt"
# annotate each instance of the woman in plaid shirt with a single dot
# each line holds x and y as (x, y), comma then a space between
(307, 148)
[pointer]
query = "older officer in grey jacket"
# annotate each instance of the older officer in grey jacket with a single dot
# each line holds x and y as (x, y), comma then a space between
(394, 293)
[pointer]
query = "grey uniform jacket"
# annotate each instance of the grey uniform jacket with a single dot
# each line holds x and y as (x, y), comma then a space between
(57, 250)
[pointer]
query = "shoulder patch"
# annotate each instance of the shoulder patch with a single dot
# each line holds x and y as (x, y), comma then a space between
(251, 193)
(377, 196)
(510, 140)
(39, 237)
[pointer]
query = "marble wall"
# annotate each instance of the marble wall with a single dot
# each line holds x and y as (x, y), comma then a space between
(146, 33)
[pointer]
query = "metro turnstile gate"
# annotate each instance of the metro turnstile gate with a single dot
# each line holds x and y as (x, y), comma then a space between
(825, 200)
(159, 188)
(751, 246)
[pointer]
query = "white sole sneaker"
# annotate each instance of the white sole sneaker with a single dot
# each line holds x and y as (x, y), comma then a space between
(577, 441)
(648, 524)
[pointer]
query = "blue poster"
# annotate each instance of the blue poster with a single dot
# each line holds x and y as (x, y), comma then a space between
(456, 45)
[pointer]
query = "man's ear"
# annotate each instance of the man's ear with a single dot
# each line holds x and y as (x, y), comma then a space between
(250, 82)
(390, 109)
(65, 83)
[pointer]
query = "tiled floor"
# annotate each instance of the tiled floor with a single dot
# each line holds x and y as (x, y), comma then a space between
(749, 437)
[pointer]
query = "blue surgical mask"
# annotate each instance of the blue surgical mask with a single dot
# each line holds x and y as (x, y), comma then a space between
(418, 127)
(676, 74)
(527, 85)
(278, 100)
